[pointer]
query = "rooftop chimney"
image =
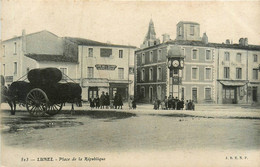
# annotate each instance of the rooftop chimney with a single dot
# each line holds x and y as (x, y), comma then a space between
(205, 39)
(246, 41)
(242, 41)
(227, 41)
(166, 37)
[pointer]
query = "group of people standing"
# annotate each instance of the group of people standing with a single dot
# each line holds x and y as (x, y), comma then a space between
(104, 101)
(171, 103)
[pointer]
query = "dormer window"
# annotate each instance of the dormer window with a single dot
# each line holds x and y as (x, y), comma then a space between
(191, 30)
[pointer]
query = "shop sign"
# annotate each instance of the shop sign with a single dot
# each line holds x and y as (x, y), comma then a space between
(9, 79)
(105, 67)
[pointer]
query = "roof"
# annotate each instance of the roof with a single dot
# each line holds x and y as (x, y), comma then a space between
(16, 37)
(82, 41)
(54, 58)
(187, 22)
(200, 43)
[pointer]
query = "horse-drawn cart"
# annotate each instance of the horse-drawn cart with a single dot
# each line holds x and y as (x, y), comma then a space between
(44, 94)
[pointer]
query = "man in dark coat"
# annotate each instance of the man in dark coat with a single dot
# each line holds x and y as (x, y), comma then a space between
(102, 100)
(120, 101)
(107, 100)
(97, 101)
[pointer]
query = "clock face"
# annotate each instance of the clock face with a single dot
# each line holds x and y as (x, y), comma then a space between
(182, 63)
(169, 63)
(175, 63)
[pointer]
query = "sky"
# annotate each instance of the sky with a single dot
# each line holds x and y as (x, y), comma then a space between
(126, 22)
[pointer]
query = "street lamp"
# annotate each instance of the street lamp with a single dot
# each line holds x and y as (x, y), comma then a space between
(175, 64)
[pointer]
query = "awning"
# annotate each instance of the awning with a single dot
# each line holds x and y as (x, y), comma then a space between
(233, 83)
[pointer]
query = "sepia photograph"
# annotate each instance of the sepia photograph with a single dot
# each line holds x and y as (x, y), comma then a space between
(130, 83)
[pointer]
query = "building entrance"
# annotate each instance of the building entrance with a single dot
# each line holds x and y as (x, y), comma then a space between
(254, 91)
(92, 92)
(229, 95)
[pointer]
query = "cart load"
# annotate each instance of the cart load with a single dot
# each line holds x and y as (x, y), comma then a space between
(2, 80)
(43, 76)
(44, 93)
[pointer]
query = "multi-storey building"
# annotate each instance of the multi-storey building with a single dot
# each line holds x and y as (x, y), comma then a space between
(215, 73)
(105, 67)
(95, 65)
(36, 50)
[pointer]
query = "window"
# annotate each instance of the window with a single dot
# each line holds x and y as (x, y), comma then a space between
(121, 73)
(143, 58)
(191, 30)
(159, 73)
(194, 73)
(151, 56)
(142, 74)
(226, 72)
(208, 55)
(3, 69)
(226, 56)
(159, 92)
(207, 73)
(159, 54)
(239, 73)
(194, 54)
(255, 57)
(104, 52)
(15, 68)
(64, 72)
(3, 50)
(238, 58)
(121, 54)
(208, 93)
(15, 48)
(255, 73)
(150, 74)
(90, 72)
(179, 31)
(90, 52)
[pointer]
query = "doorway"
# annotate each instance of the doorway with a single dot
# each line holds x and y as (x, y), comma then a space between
(151, 94)
(254, 91)
(92, 92)
(195, 94)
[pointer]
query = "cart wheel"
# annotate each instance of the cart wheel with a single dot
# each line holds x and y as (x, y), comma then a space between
(37, 102)
(54, 109)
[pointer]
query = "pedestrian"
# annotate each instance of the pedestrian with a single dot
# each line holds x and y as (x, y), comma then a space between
(102, 100)
(120, 101)
(182, 104)
(193, 105)
(186, 104)
(130, 103)
(116, 100)
(170, 102)
(107, 100)
(190, 105)
(134, 104)
(92, 102)
(163, 105)
(97, 101)
(155, 104)
(166, 103)
(173, 103)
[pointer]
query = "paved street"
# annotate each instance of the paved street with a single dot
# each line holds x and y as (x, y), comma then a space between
(209, 127)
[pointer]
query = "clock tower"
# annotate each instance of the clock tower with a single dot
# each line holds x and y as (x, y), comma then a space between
(175, 64)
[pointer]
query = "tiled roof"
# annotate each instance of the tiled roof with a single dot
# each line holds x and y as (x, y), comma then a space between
(200, 43)
(54, 58)
(82, 41)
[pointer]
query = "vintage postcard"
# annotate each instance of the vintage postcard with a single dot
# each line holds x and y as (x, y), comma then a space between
(130, 83)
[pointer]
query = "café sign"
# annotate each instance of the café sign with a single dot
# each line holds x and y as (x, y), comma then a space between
(105, 67)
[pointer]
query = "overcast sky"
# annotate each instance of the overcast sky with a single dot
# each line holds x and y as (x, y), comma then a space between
(127, 22)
